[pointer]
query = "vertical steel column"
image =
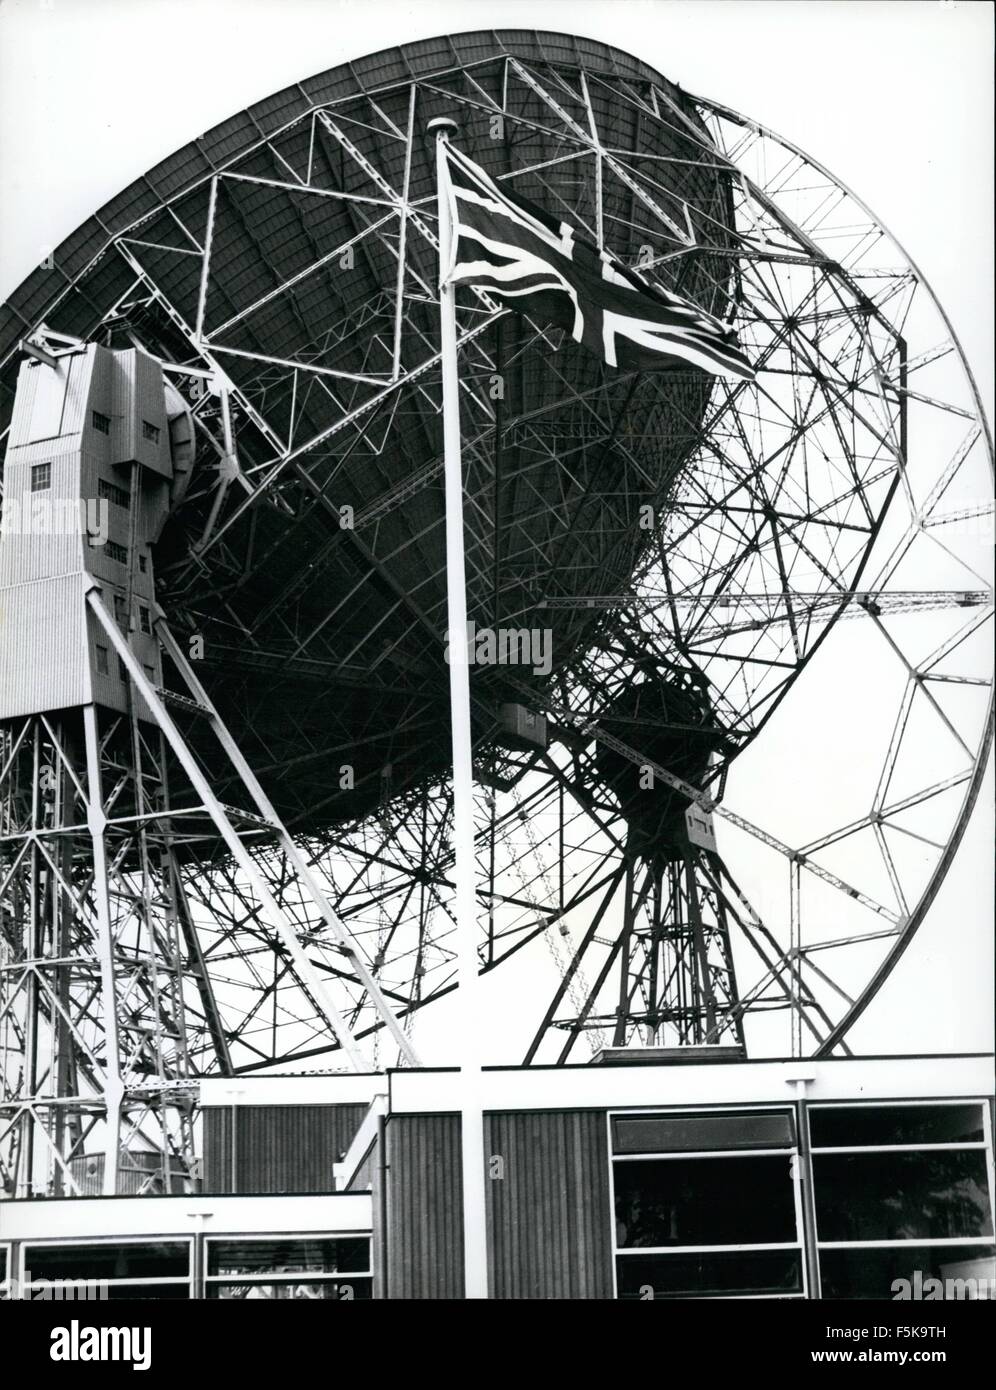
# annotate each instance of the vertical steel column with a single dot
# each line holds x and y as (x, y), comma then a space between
(805, 1176)
(96, 823)
(475, 1253)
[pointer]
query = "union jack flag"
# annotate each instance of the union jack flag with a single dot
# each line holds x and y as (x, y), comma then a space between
(530, 262)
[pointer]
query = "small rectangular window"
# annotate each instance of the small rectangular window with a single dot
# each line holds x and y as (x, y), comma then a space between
(120, 612)
(724, 1274)
(143, 563)
(113, 1260)
(150, 432)
(41, 477)
(145, 618)
(122, 670)
(101, 422)
(150, 674)
(867, 1126)
(319, 1267)
(102, 665)
(110, 492)
(872, 1273)
(268, 1257)
(117, 552)
(642, 1134)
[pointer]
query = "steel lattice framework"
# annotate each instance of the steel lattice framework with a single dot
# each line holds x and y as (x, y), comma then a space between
(669, 531)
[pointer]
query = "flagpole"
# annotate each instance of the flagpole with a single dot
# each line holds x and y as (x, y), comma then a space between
(471, 1113)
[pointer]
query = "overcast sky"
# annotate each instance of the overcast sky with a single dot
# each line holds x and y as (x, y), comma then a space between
(894, 98)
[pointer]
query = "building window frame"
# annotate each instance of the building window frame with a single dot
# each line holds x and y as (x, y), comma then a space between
(41, 477)
(790, 1153)
(113, 492)
(985, 1145)
(153, 1281)
(286, 1280)
(100, 422)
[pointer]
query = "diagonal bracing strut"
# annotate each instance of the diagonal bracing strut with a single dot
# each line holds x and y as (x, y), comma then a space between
(306, 971)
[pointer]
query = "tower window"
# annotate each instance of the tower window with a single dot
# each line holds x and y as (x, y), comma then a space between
(41, 477)
(102, 665)
(116, 552)
(150, 432)
(110, 492)
(120, 612)
(143, 563)
(101, 422)
(144, 618)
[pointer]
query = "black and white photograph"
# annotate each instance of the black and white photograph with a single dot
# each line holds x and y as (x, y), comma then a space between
(496, 670)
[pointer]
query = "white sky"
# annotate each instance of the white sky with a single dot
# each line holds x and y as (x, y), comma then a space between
(894, 98)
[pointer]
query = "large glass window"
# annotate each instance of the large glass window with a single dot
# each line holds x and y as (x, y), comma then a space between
(702, 1201)
(323, 1267)
(902, 1195)
(706, 1205)
(900, 1192)
(130, 1269)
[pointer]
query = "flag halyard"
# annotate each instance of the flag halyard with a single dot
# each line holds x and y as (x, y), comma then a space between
(533, 263)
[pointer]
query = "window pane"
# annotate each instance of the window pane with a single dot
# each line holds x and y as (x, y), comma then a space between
(852, 1125)
(341, 1291)
(144, 1291)
(871, 1273)
(109, 1261)
(288, 1256)
(902, 1196)
(704, 1201)
(732, 1272)
(642, 1134)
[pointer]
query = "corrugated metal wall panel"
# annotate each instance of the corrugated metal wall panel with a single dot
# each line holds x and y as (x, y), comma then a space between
(549, 1232)
(44, 624)
(41, 535)
(89, 380)
(278, 1148)
(424, 1208)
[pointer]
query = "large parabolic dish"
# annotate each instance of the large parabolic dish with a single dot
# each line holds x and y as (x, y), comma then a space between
(695, 549)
